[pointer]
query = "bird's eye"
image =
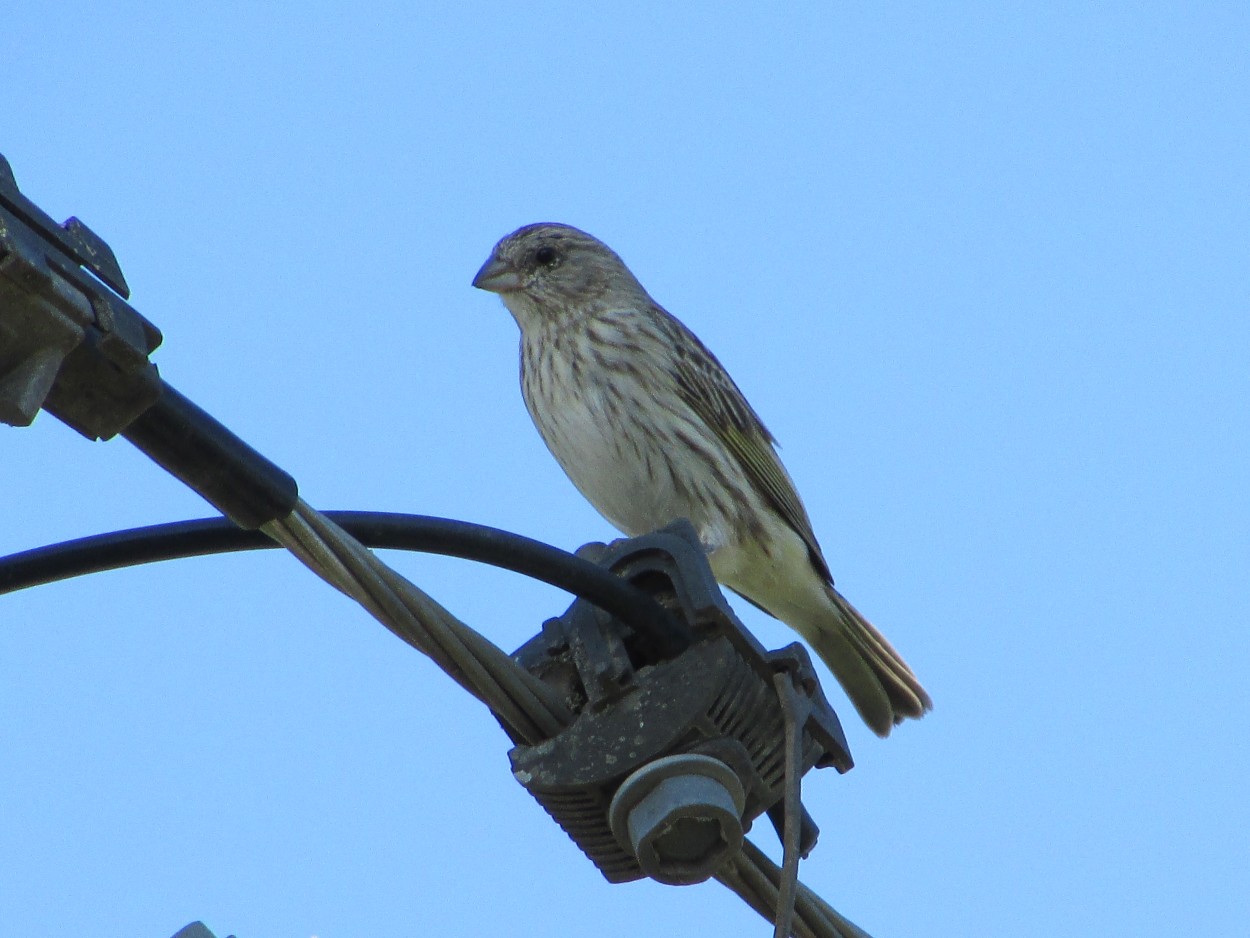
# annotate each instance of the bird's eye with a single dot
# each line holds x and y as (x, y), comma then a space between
(545, 255)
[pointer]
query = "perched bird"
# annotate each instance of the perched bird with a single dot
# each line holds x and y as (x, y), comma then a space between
(650, 428)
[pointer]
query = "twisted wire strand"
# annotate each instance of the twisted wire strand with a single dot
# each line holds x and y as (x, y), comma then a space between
(530, 709)
(756, 880)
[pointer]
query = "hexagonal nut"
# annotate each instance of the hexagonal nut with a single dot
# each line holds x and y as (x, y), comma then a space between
(680, 816)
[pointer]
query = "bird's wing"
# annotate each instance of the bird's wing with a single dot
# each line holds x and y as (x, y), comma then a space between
(705, 385)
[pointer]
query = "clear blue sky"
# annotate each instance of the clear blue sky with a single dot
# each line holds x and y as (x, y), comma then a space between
(984, 271)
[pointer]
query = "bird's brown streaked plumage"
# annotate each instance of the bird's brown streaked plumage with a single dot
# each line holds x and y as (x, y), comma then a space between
(650, 427)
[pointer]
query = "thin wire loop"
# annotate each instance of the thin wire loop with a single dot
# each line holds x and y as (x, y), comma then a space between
(791, 828)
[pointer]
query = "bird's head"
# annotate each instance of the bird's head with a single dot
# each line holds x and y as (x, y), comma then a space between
(549, 272)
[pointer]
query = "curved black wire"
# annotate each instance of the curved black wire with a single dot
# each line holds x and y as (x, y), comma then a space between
(372, 528)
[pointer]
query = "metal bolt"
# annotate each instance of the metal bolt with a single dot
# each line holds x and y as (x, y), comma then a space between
(680, 816)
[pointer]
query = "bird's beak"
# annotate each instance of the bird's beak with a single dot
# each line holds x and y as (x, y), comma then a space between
(497, 276)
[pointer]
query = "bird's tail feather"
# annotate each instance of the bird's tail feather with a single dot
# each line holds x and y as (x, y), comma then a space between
(879, 683)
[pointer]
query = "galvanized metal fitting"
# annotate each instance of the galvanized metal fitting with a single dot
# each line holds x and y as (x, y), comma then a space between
(680, 816)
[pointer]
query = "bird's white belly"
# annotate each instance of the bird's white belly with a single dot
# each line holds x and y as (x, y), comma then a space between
(633, 480)
(631, 487)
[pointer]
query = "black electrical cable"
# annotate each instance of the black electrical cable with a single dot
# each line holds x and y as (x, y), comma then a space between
(191, 445)
(445, 536)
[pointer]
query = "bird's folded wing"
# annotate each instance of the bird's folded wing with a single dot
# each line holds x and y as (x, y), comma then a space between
(707, 388)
